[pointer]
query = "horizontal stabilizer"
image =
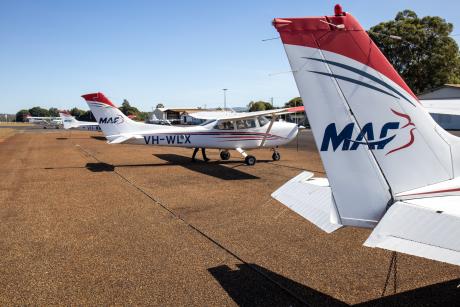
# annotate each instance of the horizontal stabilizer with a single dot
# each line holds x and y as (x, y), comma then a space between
(121, 139)
(442, 106)
(312, 199)
(419, 228)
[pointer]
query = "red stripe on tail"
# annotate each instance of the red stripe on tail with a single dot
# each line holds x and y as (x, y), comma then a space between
(339, 34)
(99, 97)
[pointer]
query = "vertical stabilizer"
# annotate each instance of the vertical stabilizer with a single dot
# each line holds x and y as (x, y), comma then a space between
(374, 137)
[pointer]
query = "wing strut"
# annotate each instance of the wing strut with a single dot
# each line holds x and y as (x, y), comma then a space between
(268, 130)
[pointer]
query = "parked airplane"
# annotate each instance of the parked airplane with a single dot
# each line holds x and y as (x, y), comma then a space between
(240, 131)
(46, 122)
(389, 165)
(69, 122)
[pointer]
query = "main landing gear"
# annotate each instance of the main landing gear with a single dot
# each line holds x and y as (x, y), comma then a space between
(248, 159)
(276, 155)
(225, 155)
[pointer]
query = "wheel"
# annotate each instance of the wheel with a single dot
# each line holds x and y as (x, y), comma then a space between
(276, 156)
(250, 160)
(224, 155)
(44, 127)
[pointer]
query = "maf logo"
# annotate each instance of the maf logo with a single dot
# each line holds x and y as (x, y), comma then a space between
(111, 120)
(366, 136)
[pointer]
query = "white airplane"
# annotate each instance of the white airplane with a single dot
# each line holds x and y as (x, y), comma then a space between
(239, 131)
(389, 166)
(70, 122)
(46, 122)
(442, 106)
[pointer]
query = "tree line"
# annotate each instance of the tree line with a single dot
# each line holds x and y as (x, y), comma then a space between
(79, 114)
(264, 105)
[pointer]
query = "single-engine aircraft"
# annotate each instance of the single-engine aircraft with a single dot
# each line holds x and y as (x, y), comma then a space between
(389, 165)
(239, 131)
(70, 122)
(45, 121)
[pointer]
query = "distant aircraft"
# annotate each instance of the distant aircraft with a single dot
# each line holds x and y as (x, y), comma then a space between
(389, 165)
(442, 106)
(69, 122)
(46, 122)
(239, 131)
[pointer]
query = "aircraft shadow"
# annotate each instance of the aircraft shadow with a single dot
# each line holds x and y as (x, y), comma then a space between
(100, 167)
(100, 138)
(247, 286)
(211, 168)
(440, 294)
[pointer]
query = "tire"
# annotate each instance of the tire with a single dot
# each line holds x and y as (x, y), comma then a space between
(225, 155)
(250, 160)
(276, 156)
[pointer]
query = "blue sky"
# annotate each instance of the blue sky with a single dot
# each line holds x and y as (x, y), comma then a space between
(180, 53)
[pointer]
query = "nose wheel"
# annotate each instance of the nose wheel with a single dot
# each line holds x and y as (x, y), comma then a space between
(250, 160)
(276, 156)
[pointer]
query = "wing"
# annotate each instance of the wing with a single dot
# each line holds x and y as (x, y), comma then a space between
(448, 106)
(242, 115)
(424, 227)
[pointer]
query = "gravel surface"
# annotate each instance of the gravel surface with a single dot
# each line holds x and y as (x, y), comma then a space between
(87, 223)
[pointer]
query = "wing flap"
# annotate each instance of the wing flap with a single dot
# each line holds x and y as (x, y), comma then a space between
(310, 198)
(420, 231)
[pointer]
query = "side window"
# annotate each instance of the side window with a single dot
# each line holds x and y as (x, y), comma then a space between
(240, 124)
(245, 124)
(225, 125)
(263, 121)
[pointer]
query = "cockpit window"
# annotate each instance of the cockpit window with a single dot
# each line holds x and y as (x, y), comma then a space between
(225, 125)
(263, 121)
(245, 124)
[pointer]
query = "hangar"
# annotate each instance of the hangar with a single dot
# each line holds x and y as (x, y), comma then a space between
(447, 95)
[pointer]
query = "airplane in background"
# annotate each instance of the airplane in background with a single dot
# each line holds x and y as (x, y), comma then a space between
(442, 106)
(239, 131)
(46, 122)
(389, 165)
(70, 122)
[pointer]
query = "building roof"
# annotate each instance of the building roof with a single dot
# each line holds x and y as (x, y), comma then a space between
(179, 109)
(439, 87)
(187, 110)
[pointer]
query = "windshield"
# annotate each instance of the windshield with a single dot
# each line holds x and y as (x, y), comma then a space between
(263, 121)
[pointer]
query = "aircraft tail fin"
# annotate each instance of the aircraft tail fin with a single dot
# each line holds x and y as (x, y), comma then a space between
(375, 139)
(68, 121)
(111, 120)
